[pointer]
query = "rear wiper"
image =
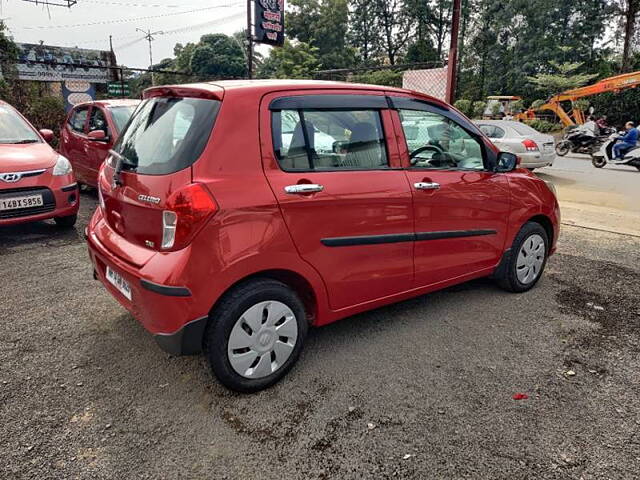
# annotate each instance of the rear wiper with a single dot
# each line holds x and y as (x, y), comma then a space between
(122, 163)
(20, 142)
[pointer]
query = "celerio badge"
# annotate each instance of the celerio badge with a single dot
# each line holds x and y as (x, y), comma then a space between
(148, 199)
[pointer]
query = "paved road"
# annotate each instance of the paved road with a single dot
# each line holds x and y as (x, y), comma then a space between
(85, 392)
(606, 198)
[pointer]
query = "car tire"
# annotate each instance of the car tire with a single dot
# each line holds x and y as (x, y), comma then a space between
(525, 264)
(66, 222)
(237, 340)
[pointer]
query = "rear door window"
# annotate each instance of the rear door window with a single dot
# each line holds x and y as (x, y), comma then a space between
(329, 139)
(166, 135)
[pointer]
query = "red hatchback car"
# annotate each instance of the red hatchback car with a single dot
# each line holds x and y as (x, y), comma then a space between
(234, 215)
(35, 182)
(90, 131)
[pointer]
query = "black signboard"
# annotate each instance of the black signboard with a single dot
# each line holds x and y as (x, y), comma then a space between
(268, 22)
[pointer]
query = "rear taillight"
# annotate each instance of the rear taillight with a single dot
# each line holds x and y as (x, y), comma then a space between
(530, 145)
(185, 213)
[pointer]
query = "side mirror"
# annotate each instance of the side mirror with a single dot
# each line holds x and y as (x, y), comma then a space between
(507, 162)
(98, 136)
(47, 135)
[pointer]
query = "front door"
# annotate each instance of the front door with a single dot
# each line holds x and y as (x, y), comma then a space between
(97, 150)
(333, 164)
(461, 209)
(75, 141)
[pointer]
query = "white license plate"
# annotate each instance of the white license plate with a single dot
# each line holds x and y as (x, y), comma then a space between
(548, 148)
(120, 283)
(15, 203)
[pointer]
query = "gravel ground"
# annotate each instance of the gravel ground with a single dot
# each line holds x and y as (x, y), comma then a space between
(421, 389)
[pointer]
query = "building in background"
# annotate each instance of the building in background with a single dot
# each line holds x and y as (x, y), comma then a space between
(76, 74)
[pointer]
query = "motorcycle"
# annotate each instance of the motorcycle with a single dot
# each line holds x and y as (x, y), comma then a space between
(605, 155)
(578, 141)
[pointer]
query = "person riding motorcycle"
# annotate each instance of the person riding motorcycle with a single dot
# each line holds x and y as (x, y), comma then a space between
(627, 141)
(602, 123)
(590, 127)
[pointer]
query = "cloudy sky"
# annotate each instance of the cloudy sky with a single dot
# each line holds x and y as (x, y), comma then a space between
(89, 23)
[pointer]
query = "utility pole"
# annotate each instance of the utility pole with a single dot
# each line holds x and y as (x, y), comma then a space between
(149, 36)
(452, 65)
(249, 41)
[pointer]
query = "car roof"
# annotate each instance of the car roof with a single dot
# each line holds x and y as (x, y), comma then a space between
(217, 89)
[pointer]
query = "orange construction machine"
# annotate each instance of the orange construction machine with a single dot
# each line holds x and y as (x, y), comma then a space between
(576, 116)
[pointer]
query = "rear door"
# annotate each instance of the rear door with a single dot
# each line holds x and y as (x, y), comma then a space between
(165, 137)
(460, 208)
(332, 163)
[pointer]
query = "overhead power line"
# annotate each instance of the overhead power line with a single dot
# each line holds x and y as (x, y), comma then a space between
(124, 20)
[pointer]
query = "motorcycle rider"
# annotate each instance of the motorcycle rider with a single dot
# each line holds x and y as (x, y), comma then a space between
(627, 141)
(590, 127)
(602, 123)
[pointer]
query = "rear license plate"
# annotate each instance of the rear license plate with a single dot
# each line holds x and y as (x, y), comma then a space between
(120, 283)
(14, 203)
(548, 148)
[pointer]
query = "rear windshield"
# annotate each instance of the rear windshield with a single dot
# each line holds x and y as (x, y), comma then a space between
(524, 129)
(13, 129)
(167, 134)
(121, 115)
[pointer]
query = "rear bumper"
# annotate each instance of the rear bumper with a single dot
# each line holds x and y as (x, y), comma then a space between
(168, 312)
(536, 159)
(64, 194)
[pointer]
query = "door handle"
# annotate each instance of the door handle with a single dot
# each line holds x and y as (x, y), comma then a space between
(426, 186)
(302, 188)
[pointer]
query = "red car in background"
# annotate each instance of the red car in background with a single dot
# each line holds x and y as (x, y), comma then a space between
(36, 183)
(89, 132)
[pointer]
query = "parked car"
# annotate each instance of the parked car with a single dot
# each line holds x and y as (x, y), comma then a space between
(90, 131)
(36, 183)
(535, 149)
(215, 237)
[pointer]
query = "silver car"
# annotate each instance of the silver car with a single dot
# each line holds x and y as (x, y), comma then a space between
(536, 149)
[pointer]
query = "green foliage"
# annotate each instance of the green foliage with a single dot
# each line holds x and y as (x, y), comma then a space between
(517, 106)
(495, 109)
(290, 61)
(380, 77)
(218, 56)
(478, 108)
(544, 126)
(565, 78)
(582, 104)
(618, 107)
(323, 24)
(465, 106)
(537, 104)
(421, 51)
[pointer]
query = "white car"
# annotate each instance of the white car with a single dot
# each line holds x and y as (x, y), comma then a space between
(536, 149)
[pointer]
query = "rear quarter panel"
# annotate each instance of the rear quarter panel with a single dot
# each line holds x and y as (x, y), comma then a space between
(248, 234)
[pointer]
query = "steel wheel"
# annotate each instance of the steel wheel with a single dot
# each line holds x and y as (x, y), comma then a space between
(530, 259)
(563, 148)
(262, 339)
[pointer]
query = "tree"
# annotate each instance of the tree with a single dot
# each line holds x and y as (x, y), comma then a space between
(395, 26)
(565, 78)
(363, 34)
(218, 56)
(629, 10)
(290, 61)
(8, 53)
(323, 24)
